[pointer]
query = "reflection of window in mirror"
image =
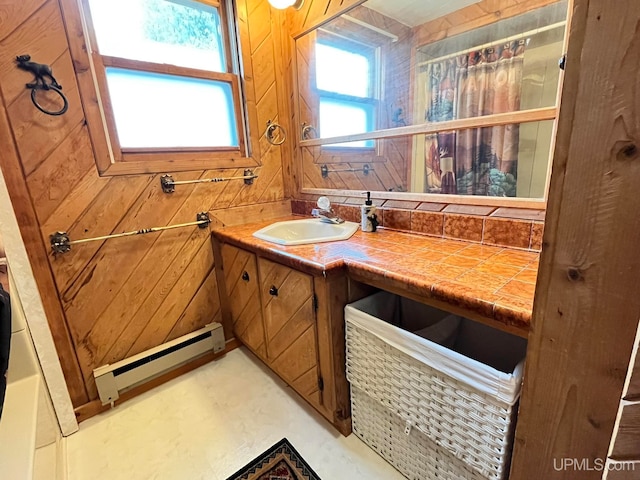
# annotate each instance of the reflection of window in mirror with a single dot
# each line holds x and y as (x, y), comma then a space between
(465, 99)
(346, 76)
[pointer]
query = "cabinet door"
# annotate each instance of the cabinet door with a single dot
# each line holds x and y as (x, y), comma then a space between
(241, 281)
(290, 327)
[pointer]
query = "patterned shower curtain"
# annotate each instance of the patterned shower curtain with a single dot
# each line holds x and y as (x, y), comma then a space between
(479, 161)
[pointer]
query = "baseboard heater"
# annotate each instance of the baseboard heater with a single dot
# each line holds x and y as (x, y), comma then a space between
(111, 380)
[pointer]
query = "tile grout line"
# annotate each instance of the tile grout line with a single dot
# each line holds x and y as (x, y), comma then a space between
(531, 237)
(445, 216)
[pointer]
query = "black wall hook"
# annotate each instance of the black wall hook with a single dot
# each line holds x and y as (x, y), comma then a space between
(42, 72)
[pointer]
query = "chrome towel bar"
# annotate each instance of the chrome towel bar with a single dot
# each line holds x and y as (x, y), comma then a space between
(324, 170)
(61, 243)
(168, 184)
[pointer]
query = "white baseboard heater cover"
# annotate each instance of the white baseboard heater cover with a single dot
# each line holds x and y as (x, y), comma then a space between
(111, 380)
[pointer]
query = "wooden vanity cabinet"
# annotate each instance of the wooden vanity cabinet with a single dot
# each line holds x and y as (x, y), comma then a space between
(288, 302)
(293, 321)
(243, 291)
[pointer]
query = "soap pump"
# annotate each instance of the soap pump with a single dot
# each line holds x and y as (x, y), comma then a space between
(368, 218)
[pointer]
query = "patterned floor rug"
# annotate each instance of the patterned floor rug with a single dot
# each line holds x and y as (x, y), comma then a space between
(280, 462)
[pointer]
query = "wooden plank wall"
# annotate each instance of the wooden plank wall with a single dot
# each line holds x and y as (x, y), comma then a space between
(474, 16)
(383, 176)
(112, 299)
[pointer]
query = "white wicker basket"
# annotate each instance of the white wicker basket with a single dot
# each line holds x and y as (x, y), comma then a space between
(410, 451)
(459, 421)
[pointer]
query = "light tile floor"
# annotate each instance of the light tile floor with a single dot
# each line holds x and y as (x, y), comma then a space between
(209, 423)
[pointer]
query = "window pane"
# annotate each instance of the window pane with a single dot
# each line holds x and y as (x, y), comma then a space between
(155, 110)
(184, 33)
(341, 71)
(345, 118)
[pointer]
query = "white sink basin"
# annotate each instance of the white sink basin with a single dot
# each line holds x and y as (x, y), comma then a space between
(300, 232)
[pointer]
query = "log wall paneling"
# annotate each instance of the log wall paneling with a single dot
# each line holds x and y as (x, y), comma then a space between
(108, 300)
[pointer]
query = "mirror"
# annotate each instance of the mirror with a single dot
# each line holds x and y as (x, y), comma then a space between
(454, 98)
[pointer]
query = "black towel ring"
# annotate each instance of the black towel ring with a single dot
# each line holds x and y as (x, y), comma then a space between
(42, 72)
(65, 105)
(309, 131)
(275, 134)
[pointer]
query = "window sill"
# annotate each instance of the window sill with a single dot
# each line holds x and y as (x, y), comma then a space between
(173, 163)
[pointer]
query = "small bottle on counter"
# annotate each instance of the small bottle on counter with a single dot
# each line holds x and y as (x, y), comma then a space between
(368, 218)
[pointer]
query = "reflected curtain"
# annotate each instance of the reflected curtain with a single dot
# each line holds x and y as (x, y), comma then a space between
(479, 161)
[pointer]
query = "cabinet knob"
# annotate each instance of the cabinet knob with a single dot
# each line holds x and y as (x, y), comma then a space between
(245, 276)
(273, 291)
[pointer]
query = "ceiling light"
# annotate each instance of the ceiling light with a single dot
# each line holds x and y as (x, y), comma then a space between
(282, 4)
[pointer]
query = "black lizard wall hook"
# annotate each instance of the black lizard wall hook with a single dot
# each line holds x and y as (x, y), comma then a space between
(44, 80)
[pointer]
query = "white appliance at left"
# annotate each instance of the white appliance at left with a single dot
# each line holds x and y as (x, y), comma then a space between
(28, 424)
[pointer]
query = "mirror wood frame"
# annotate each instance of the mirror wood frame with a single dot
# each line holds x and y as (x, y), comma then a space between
(297, 27)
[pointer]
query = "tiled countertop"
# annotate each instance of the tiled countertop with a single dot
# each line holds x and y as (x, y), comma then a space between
(491, 283)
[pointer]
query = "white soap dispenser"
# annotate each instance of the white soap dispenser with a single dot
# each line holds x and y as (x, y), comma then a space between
(368, 217)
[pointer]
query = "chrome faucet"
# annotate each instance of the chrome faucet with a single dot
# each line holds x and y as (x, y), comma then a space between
(325, 212)
(327, 215)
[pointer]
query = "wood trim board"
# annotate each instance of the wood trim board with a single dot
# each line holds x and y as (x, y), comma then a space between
(28, 223)
(586, 308)
(525, 116)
